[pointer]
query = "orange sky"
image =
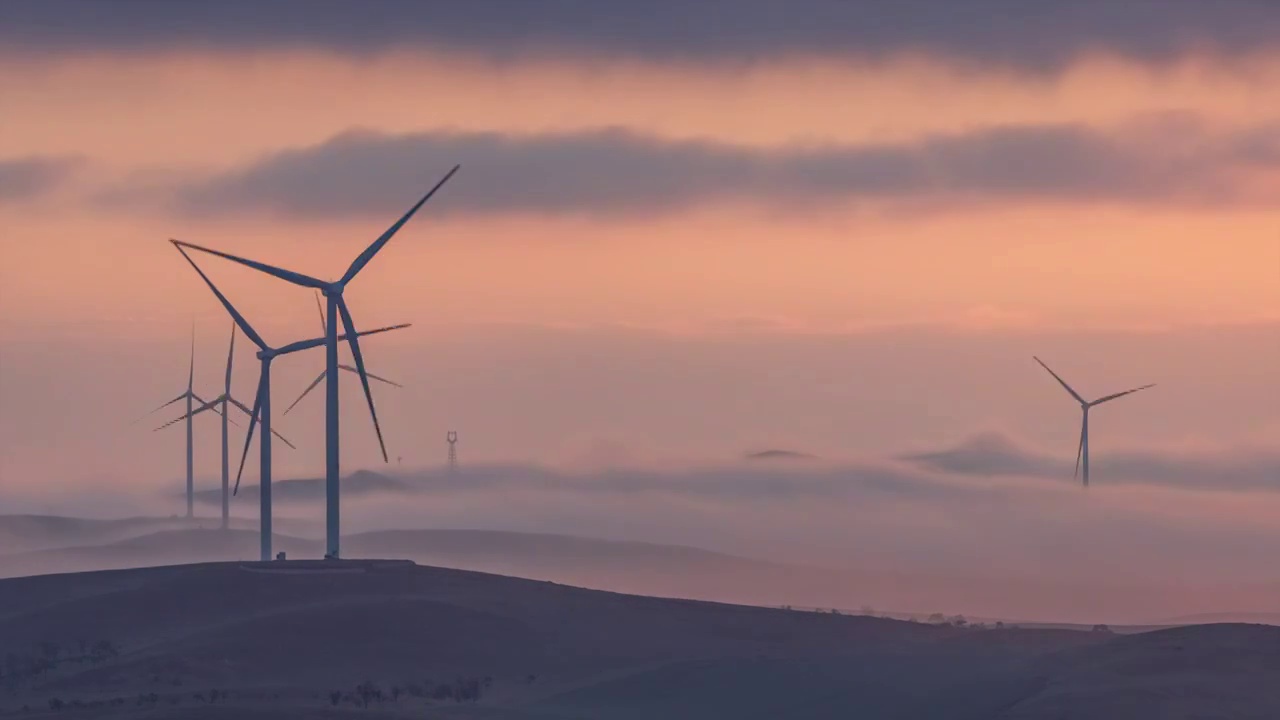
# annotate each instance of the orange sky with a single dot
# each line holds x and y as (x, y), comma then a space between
(832, 267)
(99, 270)
(859, 316)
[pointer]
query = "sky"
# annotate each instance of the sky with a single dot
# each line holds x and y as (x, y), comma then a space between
(679, 233)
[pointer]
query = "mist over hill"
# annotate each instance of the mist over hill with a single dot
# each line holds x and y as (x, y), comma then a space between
(661, 570)
(779, 455)
(361, 482)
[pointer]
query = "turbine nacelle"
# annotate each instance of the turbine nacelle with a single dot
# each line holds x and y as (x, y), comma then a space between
(1082, 451)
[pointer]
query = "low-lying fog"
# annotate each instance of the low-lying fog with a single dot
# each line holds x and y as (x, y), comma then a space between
(990, 527)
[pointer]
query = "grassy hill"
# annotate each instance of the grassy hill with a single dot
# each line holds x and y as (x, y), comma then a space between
(277, 639)
(653, 569)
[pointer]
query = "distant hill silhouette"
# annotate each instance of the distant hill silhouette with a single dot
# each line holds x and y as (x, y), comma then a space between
(361, 482)
(640, 568)
(277, 640)
(30, 533)
(1264, 618)
(779, 455)
(987, 453)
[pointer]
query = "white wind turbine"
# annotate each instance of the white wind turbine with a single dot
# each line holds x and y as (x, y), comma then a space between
(348, 368)
(1083, 451)
(188, 395)
(333, 292)
(261, 412)
(221, 405)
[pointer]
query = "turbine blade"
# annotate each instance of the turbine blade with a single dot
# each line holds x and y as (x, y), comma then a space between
(231, 352)
(283, 439)
(317, 342)
(310, 387)
(323, 326)
(215, 410)
(286, 275)
(191, 374)
(211, 405)
(253, 423)
(392, 383)
(377, 245)
(1080, 450)
(364, 379)
(181, 397)
(1113, 396)
(242, 406)
(1062, 382)
(235, 314)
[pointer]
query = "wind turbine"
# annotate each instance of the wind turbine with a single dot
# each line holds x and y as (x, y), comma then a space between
(261, 412)
(1083, 450)
(336, 305)
(188, 395)
(348, 368)
(225, 400)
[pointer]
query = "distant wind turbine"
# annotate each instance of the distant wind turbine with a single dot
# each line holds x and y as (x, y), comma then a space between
(261, 412)
(1083, 451)
(224, 400)
(333, 292)
(348, 368)
(189, 396)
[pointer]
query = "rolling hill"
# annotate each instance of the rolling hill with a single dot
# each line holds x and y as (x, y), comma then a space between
(358, 483)
(657, 570)
(32, 533)
(311, 638)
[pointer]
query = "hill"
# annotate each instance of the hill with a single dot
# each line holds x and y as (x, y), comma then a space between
(779, 455)
(526, 554)
(652, 569)
(1260, 618)
(24, 533)
(31, 533)
(279, 639)
(361, 482)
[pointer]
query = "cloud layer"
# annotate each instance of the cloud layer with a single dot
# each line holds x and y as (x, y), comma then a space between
(868, 514)
(28, 177)
(1033, 36)
(1169, 158)
(995, 455)
(1138, 529)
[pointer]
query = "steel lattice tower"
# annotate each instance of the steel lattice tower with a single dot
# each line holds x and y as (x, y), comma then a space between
(452, 437)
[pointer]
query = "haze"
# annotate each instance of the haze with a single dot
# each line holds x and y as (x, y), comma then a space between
(659, 256)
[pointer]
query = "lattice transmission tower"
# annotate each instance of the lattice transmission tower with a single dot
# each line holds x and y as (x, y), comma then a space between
(452, 437)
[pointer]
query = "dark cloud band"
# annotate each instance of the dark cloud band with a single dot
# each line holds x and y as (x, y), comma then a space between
(1041, 35)
(615, 171)
(28, 177)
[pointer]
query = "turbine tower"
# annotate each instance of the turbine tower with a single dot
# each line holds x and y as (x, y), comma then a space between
(189, 396)
(348, 368)
(452, 438)
(1083, 451)
(221, 405)
(261, 412)
(333, 292)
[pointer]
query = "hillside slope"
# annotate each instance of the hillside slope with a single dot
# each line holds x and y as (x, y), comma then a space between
(662, 570)
(278, 638)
